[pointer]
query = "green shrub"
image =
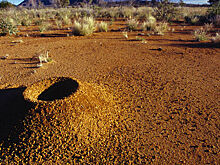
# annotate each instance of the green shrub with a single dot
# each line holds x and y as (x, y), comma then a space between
(214, 10)
(165, 10)
(5, 4)
(214, 13)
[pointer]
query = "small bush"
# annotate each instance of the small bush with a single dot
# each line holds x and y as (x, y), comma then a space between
(5, 4)
(216, 21)
(216, 38)
(208, 27)
(59, 23)
(66, 20)
(6, 27)
(26, 21)
(44, 26)
(165, 10)
(84, 27)
(144, 13)
(161, 28)
(132, 24)
(149, 24)
(200, 34)
(102, 27)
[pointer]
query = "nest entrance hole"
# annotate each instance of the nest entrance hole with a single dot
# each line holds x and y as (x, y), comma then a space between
(59, 90)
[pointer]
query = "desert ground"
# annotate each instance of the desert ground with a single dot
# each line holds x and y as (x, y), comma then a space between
(157, 100)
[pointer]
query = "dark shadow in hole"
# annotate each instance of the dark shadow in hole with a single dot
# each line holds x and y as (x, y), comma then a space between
(13, 109)
(59, 90)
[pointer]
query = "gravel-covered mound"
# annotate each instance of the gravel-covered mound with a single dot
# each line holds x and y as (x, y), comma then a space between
(67, 118)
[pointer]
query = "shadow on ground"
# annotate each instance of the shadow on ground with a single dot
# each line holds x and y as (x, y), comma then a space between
(197, 45)
(13, 109)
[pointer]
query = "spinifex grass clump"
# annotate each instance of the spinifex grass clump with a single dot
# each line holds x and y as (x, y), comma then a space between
(132, 24)
(161, 28)
(200, 34)
(149, 24)
(7, 27)
(102, 27)
(84, 27)
(44, 26)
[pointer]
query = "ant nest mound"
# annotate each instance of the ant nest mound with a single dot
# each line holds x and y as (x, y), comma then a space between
(65, 118)
(81, 109)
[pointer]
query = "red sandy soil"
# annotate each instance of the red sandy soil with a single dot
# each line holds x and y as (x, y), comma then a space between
(169, 98)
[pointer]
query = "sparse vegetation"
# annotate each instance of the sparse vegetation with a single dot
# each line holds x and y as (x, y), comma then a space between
(165, 10)
(132, 24)
(200, 34)
(102, 27)
(44, 26)
(125, 34)
(150, 24)
(161, 28)
(84, 27)
(216, 38)
(7, 27)
(5, 4)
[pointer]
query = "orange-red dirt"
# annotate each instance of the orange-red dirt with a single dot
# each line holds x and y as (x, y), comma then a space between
(166, 100)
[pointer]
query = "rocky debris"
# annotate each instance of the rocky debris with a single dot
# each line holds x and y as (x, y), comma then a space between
(141, 34)
(159, 49)
(41, 57)
(17, 41)
(5, 57)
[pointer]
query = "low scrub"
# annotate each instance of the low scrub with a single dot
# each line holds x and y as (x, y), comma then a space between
(132, 24)
(7, 27)
(84, 27)
(161, 28)
(44, 26)
(102, 27)
(150, 24)
(201, 34)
